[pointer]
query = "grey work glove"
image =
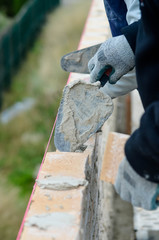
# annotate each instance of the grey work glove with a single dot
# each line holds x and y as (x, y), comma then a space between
(135, 189)
(115, 54)
(125, 85)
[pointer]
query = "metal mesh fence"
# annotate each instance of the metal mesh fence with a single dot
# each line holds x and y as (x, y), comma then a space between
(16, 40)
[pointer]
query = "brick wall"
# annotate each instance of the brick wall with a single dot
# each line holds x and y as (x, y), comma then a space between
(68, 200)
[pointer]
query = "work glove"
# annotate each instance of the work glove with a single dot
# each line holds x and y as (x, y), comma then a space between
(135, 189)
(126, 84)
(115, 57)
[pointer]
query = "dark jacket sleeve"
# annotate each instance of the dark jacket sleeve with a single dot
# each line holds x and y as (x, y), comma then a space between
(130, 32)
(142, 148)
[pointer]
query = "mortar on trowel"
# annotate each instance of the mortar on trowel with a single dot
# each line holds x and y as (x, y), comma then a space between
(83, 110)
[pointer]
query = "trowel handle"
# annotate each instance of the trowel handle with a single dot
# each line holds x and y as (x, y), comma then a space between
(105, 78)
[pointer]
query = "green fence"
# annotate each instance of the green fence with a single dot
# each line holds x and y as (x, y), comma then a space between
(17, 39)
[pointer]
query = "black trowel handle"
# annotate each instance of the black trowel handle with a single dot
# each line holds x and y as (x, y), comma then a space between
(105, 78)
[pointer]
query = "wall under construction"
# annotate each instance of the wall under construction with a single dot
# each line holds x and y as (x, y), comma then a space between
(69, 201)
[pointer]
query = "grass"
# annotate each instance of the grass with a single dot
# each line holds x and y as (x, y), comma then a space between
(10, 211)
(4, 21)
(24, 139)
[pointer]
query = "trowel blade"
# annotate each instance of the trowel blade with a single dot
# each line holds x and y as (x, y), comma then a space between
(77, 61)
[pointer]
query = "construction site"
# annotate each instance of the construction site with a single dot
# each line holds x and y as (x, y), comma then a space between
(73, 195)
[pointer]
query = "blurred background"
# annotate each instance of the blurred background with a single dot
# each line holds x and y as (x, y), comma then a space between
(34, 35)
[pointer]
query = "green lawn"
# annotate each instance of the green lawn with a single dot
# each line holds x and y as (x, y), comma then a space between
(24, 139)
(4, 21)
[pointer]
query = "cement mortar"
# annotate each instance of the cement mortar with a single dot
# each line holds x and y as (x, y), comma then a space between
(61, 183)
(123, 219)
(53, 220)
(84, 110)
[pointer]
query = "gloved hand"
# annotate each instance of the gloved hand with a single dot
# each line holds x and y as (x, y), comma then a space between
(126, 84)
(115, 54)
(135, 189)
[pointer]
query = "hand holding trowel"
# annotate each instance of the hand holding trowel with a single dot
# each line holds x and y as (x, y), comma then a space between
(85, 106)
(77, 61)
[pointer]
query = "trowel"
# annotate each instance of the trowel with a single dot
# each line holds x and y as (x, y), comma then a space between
(77, 61)
(83, 108)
